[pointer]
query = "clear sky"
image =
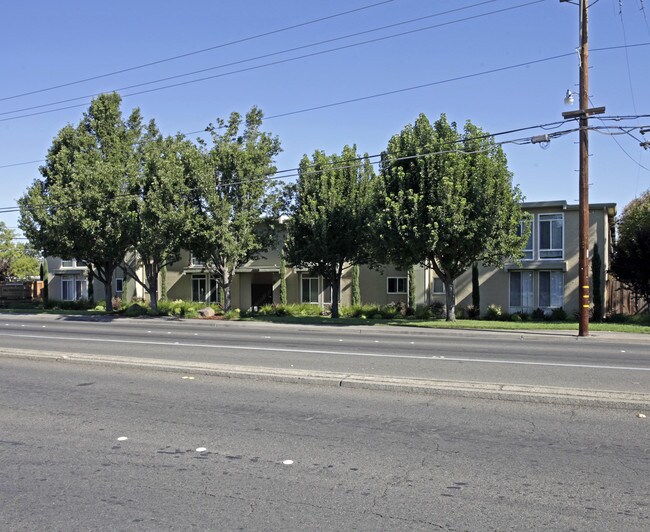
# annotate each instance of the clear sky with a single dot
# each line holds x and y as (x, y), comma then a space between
(448, 47)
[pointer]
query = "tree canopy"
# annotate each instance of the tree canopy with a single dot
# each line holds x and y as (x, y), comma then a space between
(164, 213)
(446, 201)
(233, 200)
(17, 260)
(85, 205)
(329, 226)
(631, 259)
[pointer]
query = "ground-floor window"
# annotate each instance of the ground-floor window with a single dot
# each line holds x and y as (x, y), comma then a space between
(199, 284)
(438, 286)
(551, 289)
(521, 292)
(397, 285)
(119, 285)
(200, 292)
(315, 290)
(310, 290)
(72, 287)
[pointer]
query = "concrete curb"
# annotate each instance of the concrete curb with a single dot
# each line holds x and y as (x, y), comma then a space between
(507, 392)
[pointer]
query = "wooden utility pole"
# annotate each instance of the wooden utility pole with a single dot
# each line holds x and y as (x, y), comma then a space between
(583, 202)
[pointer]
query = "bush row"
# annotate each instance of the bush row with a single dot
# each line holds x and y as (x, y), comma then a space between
(391, 311)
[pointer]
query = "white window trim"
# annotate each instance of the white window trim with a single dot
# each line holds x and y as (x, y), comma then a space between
(539, 248)
(433, 286)
(550, 295)
(72, 265)
(303, 277)
(406, 284)
(194, 262)
(532, 238)
(199, 277)
(515, 309)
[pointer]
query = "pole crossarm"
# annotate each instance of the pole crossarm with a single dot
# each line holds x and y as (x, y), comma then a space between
(583, 113)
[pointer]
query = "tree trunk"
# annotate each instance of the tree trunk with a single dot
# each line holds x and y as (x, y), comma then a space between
(91, 285)
(227, 280)
(335, 294)
(108, 286)
(152, 284)
(450, 298)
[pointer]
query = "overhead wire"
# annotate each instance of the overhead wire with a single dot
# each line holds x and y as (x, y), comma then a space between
(248, 69)
(297, 173)
(196, 52)
(271, 54)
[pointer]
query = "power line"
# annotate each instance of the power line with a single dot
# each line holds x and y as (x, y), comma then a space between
(256, 67)
(196, 52)
(264, 56)
(295, 171)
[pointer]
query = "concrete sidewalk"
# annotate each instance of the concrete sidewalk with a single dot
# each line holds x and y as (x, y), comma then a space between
(507, 392)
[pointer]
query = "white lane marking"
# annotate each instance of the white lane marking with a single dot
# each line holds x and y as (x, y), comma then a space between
(287, 462)
(122, 438)
(201, 449)
(335, 353)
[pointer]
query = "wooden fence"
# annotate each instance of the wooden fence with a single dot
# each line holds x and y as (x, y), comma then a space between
(621, 300)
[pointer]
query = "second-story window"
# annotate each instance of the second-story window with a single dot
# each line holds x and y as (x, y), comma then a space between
(526, 226)
(551, 236)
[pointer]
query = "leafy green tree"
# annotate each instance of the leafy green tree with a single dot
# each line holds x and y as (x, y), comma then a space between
(164, 212)
(233, 199)
(329, 225)
(446, 200)
(17, 260)
(632, 249)
(85, 205)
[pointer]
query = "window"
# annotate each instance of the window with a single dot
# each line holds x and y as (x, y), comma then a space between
(551, 236)
(438, 286)
(525, 225)
(521, 292)
(119, 285)
(72, 287)
(195, 262)
(309, 290)
(397, 285)
(68, 263)
(198, 288)
(551, 289)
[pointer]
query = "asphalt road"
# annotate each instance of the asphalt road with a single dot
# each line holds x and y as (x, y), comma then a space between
(603, 361)
(95, 448)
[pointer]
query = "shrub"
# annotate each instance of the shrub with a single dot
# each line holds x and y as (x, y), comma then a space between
(558, 314)
(538, 314)
(516, 318)
(493, 312)
(472, 312)
(618, 317)
(136, 309)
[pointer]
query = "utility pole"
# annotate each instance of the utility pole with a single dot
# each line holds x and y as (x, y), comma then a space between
(583, 202)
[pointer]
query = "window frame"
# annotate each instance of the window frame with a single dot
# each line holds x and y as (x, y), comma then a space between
(200, 279)
(433, 286)
(520, 232)
(521, 308)
(309, 279)
(558, 297)
(550, 218)
(397, 280)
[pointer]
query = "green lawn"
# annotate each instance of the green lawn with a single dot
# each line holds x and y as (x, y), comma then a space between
(638, 324)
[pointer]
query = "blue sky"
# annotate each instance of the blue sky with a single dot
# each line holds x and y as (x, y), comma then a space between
(46, 44)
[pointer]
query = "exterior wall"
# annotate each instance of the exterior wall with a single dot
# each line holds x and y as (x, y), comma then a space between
(264, 272)
(495, 283)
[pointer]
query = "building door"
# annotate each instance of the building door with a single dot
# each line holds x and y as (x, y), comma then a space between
(261, 294)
